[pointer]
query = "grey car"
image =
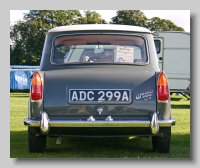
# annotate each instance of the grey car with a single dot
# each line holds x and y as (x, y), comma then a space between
(99, 81)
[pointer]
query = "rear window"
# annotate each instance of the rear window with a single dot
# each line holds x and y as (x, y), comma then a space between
(157, 45)
(99, 49)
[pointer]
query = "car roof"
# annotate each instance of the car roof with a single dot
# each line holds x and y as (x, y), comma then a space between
(115, 27)
(172, 32)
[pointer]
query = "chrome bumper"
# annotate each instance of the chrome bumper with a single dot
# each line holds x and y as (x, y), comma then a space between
(45, 124)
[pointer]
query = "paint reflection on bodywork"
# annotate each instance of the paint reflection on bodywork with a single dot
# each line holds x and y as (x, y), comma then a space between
(107, 110)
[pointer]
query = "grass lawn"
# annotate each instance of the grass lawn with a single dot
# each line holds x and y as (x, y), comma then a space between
(99, 147)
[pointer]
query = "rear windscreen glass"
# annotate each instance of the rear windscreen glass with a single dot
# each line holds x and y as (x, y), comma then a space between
(99, 49)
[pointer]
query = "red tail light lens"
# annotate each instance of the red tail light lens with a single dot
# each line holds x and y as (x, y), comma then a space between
(163, 89)
(36, 87)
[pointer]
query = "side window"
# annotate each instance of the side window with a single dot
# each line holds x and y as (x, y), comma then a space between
(157, 45)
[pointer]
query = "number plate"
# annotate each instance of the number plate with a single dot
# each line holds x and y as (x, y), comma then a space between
(100, 96)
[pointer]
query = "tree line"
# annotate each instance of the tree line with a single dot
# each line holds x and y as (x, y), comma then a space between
(27, 35)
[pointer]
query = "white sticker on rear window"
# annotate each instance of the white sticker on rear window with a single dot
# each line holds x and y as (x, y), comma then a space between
(125, 54)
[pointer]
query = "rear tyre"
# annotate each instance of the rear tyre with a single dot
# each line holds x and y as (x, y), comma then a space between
(36, 144)
(162, 143)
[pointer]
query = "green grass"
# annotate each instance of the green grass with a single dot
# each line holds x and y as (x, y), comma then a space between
(99, 147)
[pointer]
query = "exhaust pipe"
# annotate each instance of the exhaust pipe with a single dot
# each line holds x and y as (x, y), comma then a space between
(58, 141)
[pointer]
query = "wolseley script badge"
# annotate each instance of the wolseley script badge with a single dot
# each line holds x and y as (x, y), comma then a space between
(100, 110)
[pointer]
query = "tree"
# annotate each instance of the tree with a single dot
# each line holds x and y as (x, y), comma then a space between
(14, 53)
(27, 36)
(92, 17)
(157, 24)
(130, 17)
(137, 18)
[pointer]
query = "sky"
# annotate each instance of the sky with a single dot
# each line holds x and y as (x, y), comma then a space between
(180, 18)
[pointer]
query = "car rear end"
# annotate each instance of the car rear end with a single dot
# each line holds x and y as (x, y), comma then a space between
(100, 84)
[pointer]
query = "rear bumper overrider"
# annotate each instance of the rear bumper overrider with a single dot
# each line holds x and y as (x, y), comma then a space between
(45, 123)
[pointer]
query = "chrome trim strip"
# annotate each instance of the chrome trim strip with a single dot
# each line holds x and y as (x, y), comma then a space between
(75, 123)
(163, 101)
(36, 100)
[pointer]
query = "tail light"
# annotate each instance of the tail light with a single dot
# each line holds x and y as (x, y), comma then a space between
(162, 87)
(36, 87)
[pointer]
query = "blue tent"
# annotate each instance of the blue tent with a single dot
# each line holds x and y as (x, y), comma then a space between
(20, 79)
